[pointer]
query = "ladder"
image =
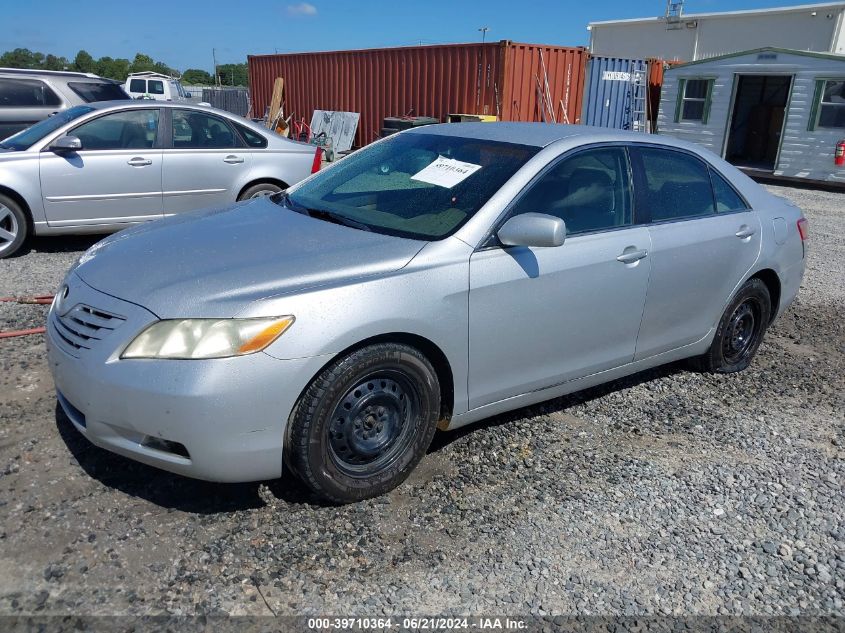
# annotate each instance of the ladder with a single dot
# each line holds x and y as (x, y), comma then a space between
(639, 99)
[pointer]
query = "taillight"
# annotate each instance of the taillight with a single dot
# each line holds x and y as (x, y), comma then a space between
(803, 229)
(318, 161)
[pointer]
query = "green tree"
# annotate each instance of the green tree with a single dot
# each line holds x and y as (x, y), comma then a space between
(113, 68)
(142, 63)
(21, 58)
(84, 63)
(233, 74)
(51, 62)
(197, 77)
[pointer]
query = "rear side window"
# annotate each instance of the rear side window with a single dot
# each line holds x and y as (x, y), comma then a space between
(589, 191)
(97, 91)
(676, 185)
(27, 93)
(196, 130)
(138, 85)
(727, 199)
(155, 87)
(253, 139)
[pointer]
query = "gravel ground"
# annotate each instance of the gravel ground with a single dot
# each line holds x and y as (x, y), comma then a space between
(670, 492)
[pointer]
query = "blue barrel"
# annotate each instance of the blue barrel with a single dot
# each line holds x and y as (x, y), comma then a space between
(611, 91)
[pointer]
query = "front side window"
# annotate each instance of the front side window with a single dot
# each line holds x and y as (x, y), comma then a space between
(422, 186)
(832, 107)
(196, 130)
(695, 95)
(120, 130)
(27, 93)
(138, 85)
(97, 91)
(155, 87)
(590, 191)
(676, 185)
(727, 199)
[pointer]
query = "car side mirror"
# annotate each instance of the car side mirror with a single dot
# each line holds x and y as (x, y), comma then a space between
(66, 144)
(533, 229)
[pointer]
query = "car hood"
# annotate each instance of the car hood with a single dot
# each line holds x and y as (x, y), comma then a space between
(216, 262)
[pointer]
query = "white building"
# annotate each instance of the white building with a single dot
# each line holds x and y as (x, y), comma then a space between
(692, 37)
(770, 111)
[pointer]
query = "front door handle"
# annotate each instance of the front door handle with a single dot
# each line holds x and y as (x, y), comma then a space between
(744, 232)
(139, 162)
(233, 160)
(632, 256)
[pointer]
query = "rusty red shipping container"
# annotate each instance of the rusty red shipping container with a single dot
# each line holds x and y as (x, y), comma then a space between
(499, 78)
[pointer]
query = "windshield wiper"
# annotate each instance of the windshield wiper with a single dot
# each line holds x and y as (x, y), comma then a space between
(337, 218)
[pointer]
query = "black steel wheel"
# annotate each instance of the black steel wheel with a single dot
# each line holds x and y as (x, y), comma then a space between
(364, 422)
(740, 330)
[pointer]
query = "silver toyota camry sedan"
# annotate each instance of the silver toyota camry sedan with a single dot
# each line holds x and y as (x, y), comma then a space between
(435, 278)
(100, 167)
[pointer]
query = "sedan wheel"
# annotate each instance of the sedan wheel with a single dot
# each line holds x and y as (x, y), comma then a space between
(364, 423)
(261, 190)
(740, 330)
(13, 227)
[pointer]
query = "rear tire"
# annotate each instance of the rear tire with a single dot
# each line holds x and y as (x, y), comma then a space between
(14, 226)
(740, 330)
(364, 423)
(260, 190)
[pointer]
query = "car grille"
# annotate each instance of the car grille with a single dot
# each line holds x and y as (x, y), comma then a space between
(82, 327)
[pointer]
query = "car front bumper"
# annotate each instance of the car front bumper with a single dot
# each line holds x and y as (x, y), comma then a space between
(219, 420)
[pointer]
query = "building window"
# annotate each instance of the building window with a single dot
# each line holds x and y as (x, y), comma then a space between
(832, 104)
(694, 97)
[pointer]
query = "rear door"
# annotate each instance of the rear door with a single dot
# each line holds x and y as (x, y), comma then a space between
(24, 102)
(703, 244)
(114, 178)
(205, 162)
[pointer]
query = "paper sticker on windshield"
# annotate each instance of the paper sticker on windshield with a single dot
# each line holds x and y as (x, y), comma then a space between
(446, 172)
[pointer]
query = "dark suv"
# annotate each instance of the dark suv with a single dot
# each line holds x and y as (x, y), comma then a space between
(29, 96)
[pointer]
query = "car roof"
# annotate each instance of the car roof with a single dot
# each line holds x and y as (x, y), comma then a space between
(540, 134)
(49, 73)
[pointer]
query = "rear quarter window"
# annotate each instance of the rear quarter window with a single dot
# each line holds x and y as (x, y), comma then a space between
(253, 139)
(90, 91)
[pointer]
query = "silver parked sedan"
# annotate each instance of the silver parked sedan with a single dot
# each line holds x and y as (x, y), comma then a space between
(437, 277)
(100, 167)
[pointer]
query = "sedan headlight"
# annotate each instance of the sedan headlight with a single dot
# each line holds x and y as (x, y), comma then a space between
(206, 338)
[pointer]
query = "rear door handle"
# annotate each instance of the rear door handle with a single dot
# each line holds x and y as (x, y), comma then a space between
(232, 159)
(139, 162)
(632, 256)
(744, 232)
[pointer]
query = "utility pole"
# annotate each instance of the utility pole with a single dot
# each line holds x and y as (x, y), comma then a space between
(484, 30)
(216, 76)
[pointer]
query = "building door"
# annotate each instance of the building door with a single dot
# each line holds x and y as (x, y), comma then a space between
(757, 120)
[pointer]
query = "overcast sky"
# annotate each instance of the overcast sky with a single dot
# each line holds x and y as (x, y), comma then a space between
(182, 33)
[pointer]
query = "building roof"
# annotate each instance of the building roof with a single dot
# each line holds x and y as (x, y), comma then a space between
(767, 49)
(732, 14)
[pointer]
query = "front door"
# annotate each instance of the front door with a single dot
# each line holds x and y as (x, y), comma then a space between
(205, 163)
(114, 178)
(704, 240)
(543, 316)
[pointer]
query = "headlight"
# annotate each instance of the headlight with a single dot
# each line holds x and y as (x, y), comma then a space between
(206, 338)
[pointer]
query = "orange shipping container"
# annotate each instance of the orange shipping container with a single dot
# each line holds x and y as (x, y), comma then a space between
(499, 78)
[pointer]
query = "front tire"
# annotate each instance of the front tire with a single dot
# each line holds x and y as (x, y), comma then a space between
(740, 330)
(260, 190)
(13, 227)
(364, 423)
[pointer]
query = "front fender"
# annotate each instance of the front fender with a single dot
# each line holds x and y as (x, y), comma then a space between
(19, 174)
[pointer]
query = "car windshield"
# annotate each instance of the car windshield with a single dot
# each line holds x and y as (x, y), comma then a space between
(31, 135)
(98, 90)
(417, 185)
